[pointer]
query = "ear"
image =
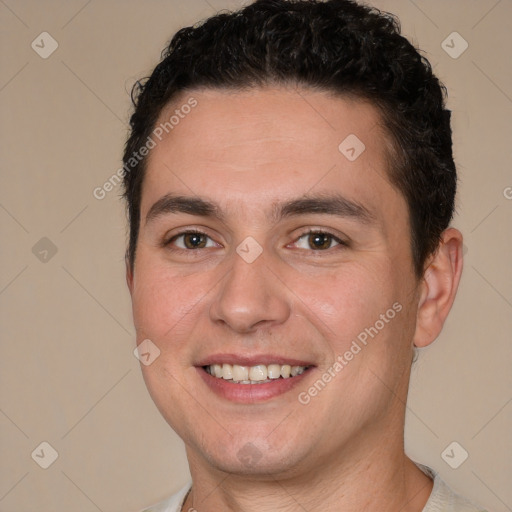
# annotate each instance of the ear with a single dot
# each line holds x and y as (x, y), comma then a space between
(438, 288)
(129, 274)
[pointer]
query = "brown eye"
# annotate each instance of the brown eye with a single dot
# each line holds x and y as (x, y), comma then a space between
(318, 241)
(194, 240)
(190, 240)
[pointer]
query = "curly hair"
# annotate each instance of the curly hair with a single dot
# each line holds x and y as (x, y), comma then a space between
(336, 46)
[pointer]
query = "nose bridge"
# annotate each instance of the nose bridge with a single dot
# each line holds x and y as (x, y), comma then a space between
(250, 294)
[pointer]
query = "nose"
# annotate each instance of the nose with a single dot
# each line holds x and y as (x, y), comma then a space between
(250, 296)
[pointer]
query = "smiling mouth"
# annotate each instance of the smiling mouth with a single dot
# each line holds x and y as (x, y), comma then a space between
(258, 374)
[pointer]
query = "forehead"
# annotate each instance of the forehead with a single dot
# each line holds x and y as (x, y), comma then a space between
(266, 144)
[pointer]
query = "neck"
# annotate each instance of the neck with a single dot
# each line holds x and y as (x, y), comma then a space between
(379, 478)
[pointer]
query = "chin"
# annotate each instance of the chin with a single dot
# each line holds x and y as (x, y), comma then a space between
(249, 459)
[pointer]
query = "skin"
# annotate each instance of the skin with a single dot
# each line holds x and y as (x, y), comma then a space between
(246, 151)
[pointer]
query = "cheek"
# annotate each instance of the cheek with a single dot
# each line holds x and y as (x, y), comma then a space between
(347, 301)
(163, 302)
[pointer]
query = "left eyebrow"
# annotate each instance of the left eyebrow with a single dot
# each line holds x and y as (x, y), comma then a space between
(328, 204)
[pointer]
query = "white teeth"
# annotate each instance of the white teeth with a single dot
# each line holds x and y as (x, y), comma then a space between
(217, 370)
(240, 372)
(296, 370)
(258, 373)
(285, 371)
(227, 371)
(274, 371)
(254, 374)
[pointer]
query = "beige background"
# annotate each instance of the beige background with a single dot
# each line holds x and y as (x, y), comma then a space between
(68, 374)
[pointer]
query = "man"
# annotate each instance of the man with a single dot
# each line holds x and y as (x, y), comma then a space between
(290, 184)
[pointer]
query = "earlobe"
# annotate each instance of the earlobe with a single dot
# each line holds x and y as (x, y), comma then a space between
(438, 288)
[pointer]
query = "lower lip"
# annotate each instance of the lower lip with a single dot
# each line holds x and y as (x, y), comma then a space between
(250, 393)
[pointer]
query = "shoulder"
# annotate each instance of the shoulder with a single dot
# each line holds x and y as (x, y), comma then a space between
(172, 504)
(443, 499)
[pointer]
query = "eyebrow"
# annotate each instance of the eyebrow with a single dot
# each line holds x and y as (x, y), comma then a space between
(326, 203)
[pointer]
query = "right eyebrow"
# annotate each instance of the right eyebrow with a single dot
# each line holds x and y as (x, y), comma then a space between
(181, 204)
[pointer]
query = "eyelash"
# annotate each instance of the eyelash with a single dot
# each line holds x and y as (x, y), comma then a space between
(341, 243)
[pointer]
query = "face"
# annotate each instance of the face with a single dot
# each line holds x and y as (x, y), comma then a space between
(266, 247)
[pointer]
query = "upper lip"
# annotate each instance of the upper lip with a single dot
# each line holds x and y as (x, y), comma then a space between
(251, 360)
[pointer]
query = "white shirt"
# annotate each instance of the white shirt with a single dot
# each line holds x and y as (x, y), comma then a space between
(442, 499)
